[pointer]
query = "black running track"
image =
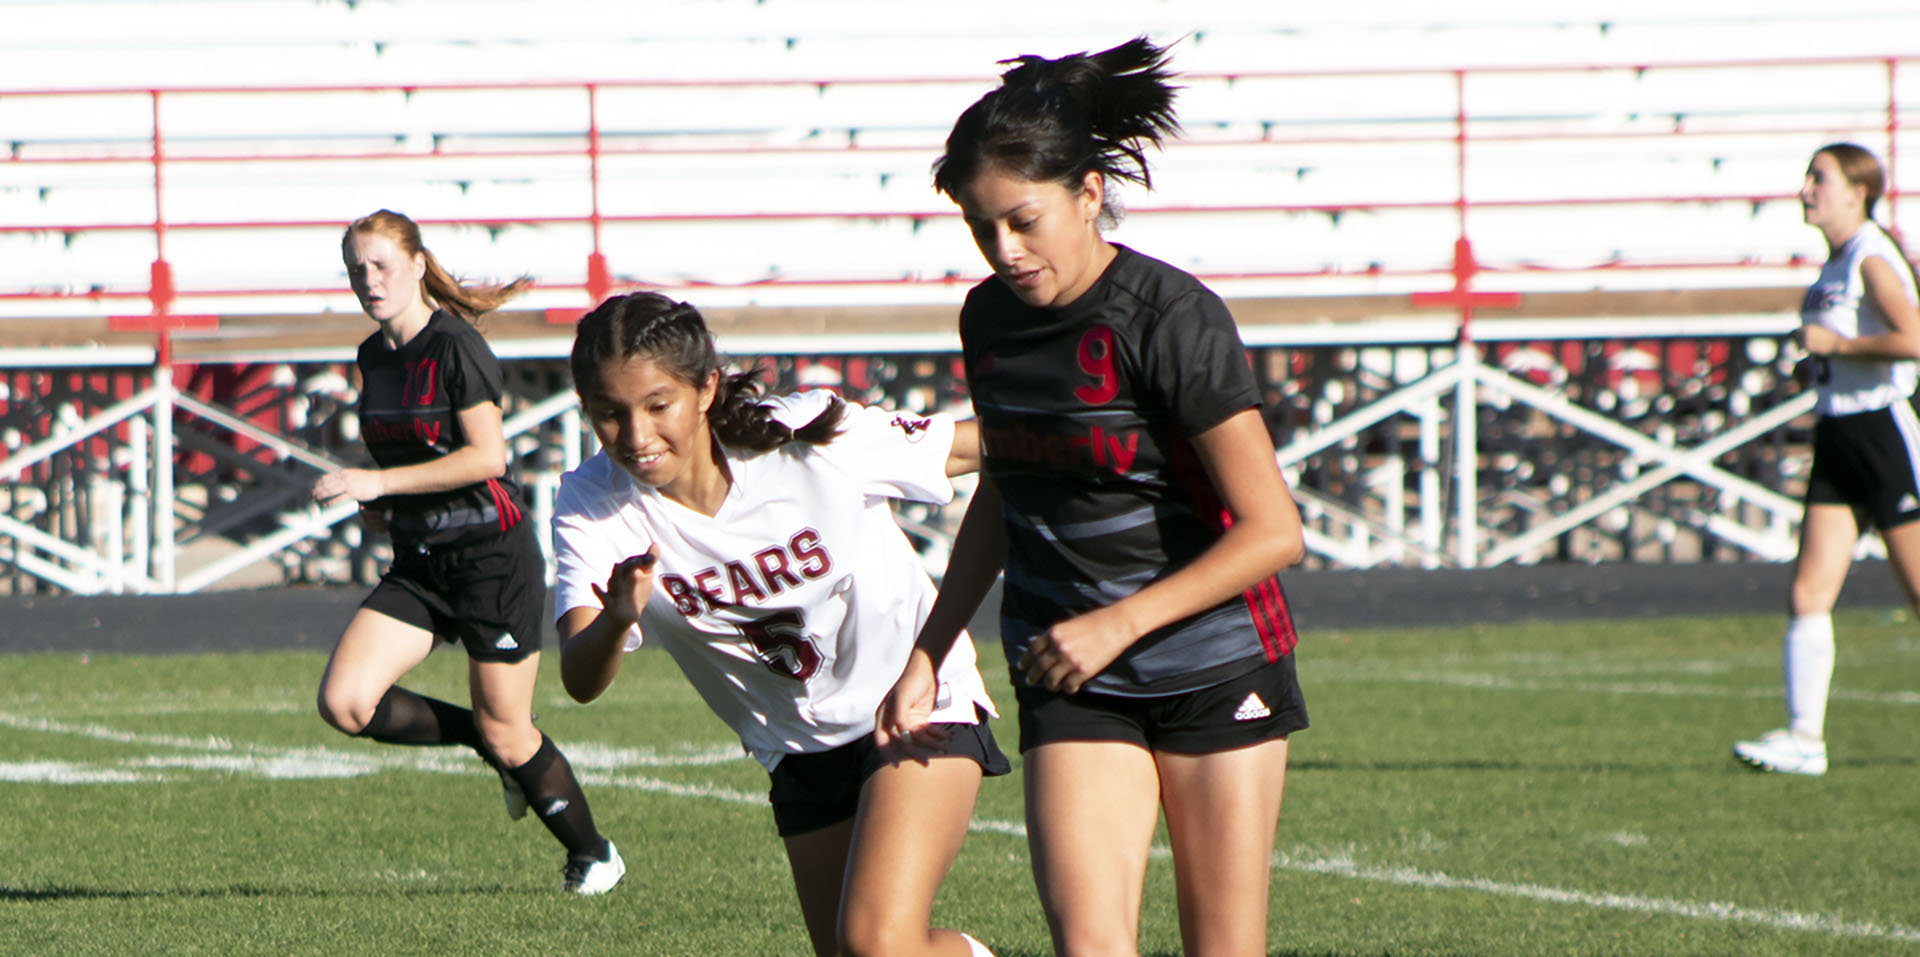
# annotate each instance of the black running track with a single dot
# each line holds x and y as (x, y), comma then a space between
(311, 618)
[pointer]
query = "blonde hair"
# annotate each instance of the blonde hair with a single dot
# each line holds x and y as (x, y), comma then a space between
(469, 301)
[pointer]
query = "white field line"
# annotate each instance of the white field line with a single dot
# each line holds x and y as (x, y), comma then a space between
(1493, 682)
(167, 704)
(1711, 910)
(217, 754)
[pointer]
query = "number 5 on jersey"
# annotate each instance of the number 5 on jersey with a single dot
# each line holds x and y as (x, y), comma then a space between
(781, 643)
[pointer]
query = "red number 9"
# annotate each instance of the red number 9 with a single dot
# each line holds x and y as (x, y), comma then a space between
(1096, 359)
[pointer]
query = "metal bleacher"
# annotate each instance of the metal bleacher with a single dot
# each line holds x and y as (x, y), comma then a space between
(174, 177)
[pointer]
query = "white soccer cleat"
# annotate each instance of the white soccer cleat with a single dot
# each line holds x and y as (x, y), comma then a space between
(974, 947)
(515, 798)
(1784, 752)
(595, 877)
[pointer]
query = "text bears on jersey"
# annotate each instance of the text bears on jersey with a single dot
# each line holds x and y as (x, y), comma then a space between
(779, 567)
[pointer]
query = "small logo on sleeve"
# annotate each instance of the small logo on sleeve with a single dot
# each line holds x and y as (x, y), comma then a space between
(911, 426)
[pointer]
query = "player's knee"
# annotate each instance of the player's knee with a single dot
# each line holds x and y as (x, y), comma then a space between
(1806, 597)
(1094, 938)
(513, 743)
(865, 932)
(345, 714)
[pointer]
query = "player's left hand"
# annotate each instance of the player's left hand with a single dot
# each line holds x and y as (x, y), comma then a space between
(1818, 340)
(902, 724)
(360, 485)
(1068, 655)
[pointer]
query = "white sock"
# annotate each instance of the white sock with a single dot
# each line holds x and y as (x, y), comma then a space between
(975, 947)
(1806, 659)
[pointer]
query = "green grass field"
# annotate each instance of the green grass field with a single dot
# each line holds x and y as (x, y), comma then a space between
(1537, 789)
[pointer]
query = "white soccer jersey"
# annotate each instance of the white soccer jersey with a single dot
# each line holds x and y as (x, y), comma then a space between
(1838, 301)
(792, 609)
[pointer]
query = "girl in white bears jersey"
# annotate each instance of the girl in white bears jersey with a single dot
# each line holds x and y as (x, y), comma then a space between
(751, 538)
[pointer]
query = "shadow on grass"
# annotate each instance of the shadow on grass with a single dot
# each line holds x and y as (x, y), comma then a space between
(1705, 763)
(1271, 953)
(238, 890)
(1481, 764)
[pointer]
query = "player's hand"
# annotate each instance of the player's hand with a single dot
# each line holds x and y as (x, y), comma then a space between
(628, 587)
(375, 519)
(1817, 340)
(902, 724)
(359, 485)
(1068, 655)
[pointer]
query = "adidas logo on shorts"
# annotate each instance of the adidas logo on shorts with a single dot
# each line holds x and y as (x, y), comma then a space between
(506, 642)
(1251, 709)
(1907, 503)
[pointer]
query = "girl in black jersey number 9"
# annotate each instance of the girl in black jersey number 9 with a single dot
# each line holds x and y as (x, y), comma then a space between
(466, 564)
(1130, 494)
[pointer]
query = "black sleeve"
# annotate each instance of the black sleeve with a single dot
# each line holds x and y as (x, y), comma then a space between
(471, 374)
(1194, 362)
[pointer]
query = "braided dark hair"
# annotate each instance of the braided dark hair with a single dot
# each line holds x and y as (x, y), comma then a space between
(1057, 120)
(674, 336)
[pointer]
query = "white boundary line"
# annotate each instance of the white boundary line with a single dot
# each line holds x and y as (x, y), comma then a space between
(1711, 910)
(1482, 681)
(219, 754)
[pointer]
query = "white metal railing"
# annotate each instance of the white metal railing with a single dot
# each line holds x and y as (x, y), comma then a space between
(1420, 502)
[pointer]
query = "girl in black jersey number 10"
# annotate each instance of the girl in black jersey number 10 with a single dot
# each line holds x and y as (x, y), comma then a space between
(752, 539)
(1860, 321)
(1130, 494)
(466, 564)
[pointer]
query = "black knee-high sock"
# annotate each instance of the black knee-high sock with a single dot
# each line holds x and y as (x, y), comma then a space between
(403, 717)
(553, 794)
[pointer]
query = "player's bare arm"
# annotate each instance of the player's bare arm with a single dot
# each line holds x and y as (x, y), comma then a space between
(484, 456)
(1884, 288)
(1264, 538)
(979, 551)
(965, 457)
(591, 638)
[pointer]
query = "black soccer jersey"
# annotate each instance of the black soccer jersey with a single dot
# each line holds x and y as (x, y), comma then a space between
(410, 404)
(1086, 414)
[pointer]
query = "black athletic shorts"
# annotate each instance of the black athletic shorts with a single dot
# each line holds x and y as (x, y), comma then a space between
(1261, 705)
(1869, 461)
(812, 791)
(489, 595)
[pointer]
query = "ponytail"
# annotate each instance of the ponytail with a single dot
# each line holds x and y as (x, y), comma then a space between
(674, 336)
(1057, 120)
(468, 301)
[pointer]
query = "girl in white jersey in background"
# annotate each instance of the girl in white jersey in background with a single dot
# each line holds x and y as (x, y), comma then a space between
(1861, 325)
(1129, 492)
(752, 539)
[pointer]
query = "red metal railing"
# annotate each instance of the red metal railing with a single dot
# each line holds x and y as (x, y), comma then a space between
(163, 289)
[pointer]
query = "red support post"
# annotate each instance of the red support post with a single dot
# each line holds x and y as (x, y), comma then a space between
(1893, 146)
(1462, 296)
(160, 288)
(599, 282)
